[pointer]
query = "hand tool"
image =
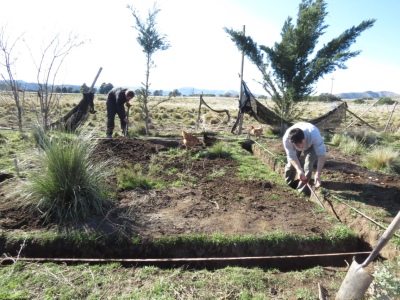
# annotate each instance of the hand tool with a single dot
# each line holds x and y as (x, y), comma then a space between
(357, 280)
(312, 191)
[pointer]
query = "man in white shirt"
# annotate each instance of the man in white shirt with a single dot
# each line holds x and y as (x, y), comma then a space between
(303, 137)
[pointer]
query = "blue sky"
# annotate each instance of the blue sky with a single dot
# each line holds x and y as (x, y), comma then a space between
(201, 54)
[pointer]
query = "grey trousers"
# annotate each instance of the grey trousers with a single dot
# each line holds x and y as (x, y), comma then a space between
(291, 173)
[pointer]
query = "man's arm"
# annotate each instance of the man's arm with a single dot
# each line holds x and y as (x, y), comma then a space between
(296, 164)
(320, 165)
(293, 159)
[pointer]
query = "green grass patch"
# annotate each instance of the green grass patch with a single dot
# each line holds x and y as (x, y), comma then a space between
(134, 177)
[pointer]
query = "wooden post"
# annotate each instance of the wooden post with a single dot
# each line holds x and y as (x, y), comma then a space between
(391, 114)
(239, 130)
(95, 79)
(360, 120)
(16, 166)
(363, 113)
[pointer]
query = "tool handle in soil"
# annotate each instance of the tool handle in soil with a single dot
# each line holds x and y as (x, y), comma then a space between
(387, 235)
(315, 195)
(127, 124)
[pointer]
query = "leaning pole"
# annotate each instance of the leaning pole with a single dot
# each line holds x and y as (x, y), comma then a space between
(239, 131)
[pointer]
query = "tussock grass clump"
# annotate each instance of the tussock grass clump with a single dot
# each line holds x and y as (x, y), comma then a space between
(337, 138)
(136, 117)
(220, 149)
(351, 146)
(177, 116)
(190, 122)
(347, 144)
(137, 129)
(67, 184)
(383, 158)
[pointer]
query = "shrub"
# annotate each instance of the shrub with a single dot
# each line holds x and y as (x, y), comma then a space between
(385, 100)
(359, 101)
(325, 97)
(386, 284)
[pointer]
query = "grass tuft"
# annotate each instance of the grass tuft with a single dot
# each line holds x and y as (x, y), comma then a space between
(67, 185)
(383, 158)
(133, 177)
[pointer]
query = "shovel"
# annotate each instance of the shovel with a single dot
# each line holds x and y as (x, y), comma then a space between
(357, 280)
(305, 181)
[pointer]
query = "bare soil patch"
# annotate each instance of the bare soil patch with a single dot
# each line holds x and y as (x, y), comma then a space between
(225, 204)
(221, 204)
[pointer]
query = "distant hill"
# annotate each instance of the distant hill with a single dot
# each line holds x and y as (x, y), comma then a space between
(30, 86)
(194, 91)
(367, 94)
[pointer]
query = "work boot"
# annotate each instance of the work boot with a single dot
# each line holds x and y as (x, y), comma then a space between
(108, 136)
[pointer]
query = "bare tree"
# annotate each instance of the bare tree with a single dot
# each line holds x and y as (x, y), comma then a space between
(53, 54)
(151, 40)
(8, 72)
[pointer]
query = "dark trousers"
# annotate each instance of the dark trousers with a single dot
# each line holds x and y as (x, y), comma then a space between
(111, 112)
(291, 173)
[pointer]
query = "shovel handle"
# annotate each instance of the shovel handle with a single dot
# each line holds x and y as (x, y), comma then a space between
(314, 194)
(127, 124)
(387, 235)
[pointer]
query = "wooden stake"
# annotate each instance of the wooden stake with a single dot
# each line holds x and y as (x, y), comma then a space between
(363, 114)
(391, 114)
(16, 166)
(94, 81)
(359, 119)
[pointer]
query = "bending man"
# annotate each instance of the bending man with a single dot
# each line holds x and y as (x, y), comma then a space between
(303, 137)
(116, 99)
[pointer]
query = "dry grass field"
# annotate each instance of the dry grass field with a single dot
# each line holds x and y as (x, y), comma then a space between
(206, 201)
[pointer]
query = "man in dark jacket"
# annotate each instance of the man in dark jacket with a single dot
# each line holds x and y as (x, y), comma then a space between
(116, 99)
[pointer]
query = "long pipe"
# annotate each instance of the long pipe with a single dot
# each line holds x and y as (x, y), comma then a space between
(183, 259)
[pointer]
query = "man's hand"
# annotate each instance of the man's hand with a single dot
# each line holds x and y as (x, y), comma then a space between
(126, 120)
(128, 104)
(302, 176)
